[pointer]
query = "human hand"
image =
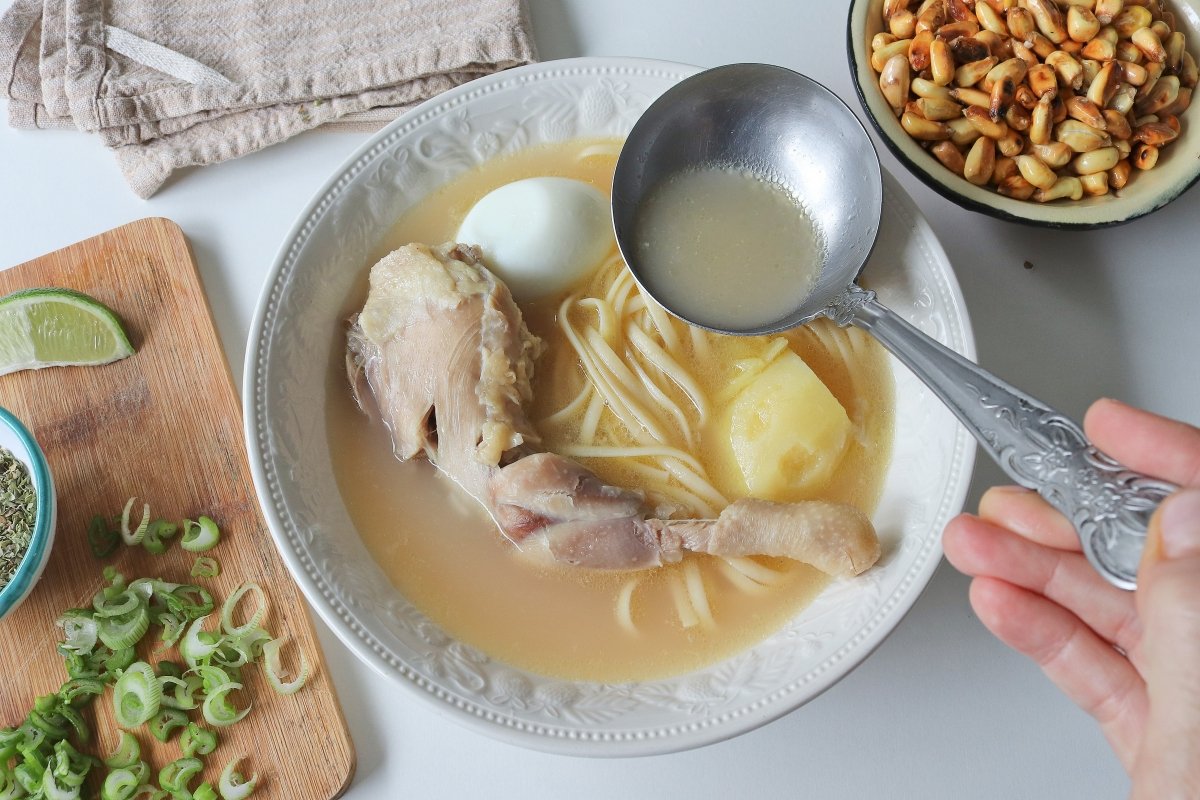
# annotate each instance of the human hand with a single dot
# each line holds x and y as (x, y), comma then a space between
(1130, 659)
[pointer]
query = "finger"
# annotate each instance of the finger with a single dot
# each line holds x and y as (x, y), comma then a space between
(1169, 600)
(1164, 448)
(1025, 512)
(979, 548)
(1088, 670)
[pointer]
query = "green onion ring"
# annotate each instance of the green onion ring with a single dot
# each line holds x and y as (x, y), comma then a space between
(200, 535)
(128, 752)
(137, 695)
(232, 785)
(217, 709)
(274, 666)
(134, 537)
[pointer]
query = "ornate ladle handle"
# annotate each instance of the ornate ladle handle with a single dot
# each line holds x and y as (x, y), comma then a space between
(1039, 448)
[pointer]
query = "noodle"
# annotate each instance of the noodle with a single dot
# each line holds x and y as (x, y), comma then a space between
(591, 419)
(683, 604)
(696, 593)
(625, 606)
(753, 570)
(738, 579)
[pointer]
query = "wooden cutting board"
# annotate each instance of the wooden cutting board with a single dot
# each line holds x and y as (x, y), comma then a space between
(164, 425)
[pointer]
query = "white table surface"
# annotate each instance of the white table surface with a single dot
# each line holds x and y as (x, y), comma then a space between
(941, 710)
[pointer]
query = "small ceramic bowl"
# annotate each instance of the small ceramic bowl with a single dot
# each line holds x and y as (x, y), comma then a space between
(17, 440)
(1177, 170)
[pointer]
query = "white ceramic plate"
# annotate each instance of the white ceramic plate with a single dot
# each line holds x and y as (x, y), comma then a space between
(298, 314)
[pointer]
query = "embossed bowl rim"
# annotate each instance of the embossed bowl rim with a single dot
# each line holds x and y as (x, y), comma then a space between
(552, 737)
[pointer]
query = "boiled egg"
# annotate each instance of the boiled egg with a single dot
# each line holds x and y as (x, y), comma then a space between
(540, 235)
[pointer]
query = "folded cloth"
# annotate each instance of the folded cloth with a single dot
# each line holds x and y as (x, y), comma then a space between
(177, 83)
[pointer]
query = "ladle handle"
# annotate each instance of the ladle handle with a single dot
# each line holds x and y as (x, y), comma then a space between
(1039, 448)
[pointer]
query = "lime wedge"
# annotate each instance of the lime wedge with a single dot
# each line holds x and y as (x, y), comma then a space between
(57, 328)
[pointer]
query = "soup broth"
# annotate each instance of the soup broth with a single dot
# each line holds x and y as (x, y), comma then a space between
(443, 553)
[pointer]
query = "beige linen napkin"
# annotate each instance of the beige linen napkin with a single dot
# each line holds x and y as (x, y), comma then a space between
(189, 82)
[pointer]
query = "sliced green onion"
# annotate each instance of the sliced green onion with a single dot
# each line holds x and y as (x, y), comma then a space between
(102, 539)
(159, 531)
(10, 739)
(174, 777)
(120, 784)
(213, 676)
(274, 666)
(112, 576)
(197, 741)
(10, 789)
(204, 791)
(165, 721)
(232, 785)
(116, 662)
(198, 644)
(78, 692)
(199, 535)
(128, 752)
(172, 629)
(125, 630)
(52, 791)
(229, 609)
(134, 537)
(206, 567)
(109, 603)
(218, 710)
(189, 601)
(181, 694)
(75, 720)
(137, 695)
(150, 793)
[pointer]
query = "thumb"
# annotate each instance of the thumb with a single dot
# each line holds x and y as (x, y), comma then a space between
(1168, 599)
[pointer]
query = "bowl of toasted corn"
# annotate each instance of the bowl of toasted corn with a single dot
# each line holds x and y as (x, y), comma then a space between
(1058, 113)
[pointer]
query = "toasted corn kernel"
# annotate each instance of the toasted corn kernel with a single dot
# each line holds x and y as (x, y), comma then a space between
(995, 45)
(1164, 93)
(903, 25)
(1151, 46)
(1040, 44)
(1174, 45)
(1131, 19)
(1091, 68)
(1131, 73)
(941, 62)
(1095, 184)
(1146, 120)
(1055, 155)
(1049, 19)
(1034, 170)
(1071, 46)
(1042, 80)
(925, 88)
(1145, 156)
(1107, 10)
(1154, 71)
(1118, 176)
(938, 110)
(1155, 133)
(1013, 68)
(894, 82)
(954, 30)
(1005, 167)
(971, 74)
(972, 97)
(1063, 188)
(1126, 50)
(990, 20)
(1082, 25)
(1096, 161)
(1162, 29)
(1188, 71)
(1103, 84)
(966, 49)
(1181, 102)
(983, 122)
(1124, 146)
(1100, 50)
(893, 7)
(924, 129)
(1018, 117)
(1069, 71)
(1040, 122)
(880, 57)
(1171, 121)
(1123, 100)
(980, 161)
(962, 132)
(1085, 111)
(1117, 124)
(950, 156)
(1025, 97)
(1058, 107)
(1079, 137)
(1002, 98)
(882, 40)
(932, 16)
(959, 11)
(1024, 53)
(1016, 187)
(1010, 144)
(1020, 22)
(918, 51)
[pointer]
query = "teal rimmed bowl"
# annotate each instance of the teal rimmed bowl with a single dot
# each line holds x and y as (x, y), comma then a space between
(17, 439)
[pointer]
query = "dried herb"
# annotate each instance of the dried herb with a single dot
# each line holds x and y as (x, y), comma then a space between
(18, 512)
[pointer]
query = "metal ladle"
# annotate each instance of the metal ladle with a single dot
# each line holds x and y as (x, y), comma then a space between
(795, 132)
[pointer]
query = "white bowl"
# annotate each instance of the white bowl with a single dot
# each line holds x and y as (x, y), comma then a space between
(299, 313)
(1178, 168)
(15, 438)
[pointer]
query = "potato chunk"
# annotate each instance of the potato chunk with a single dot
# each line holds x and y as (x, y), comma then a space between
(787, 431)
